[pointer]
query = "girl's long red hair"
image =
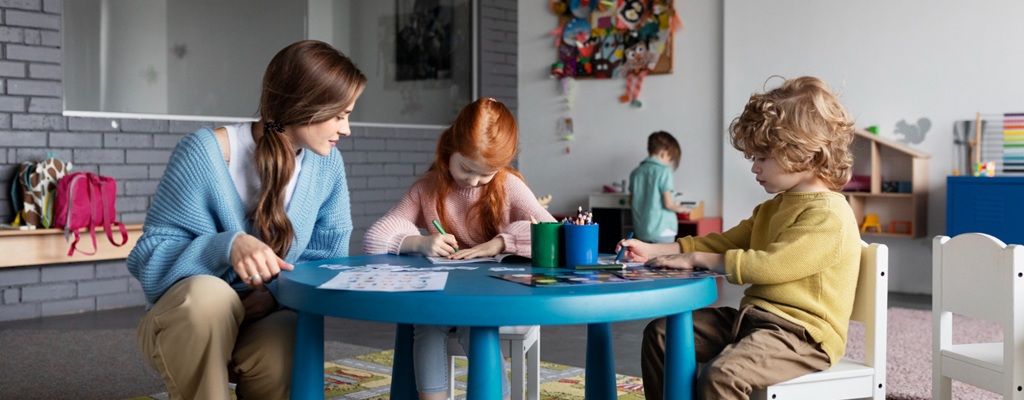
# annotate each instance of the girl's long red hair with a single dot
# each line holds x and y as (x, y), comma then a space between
(485, 131)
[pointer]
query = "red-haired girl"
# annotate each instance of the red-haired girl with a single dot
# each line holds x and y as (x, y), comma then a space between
(480, 201)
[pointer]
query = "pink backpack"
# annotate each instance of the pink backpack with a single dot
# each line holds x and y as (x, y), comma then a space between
(86, 200)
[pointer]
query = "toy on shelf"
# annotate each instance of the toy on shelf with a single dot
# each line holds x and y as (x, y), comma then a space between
(544, 201)
(901, 227)
(995, 146)
(871, 222)
(694, 212)
(985, 169)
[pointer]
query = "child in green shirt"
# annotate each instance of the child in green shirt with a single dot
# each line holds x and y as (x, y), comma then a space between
(650, 186)
(798, 251)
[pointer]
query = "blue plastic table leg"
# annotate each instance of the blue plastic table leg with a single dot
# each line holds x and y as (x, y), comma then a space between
(308, 361)
(403, 377)
(680, 358)
(600, 363)
(485, 364)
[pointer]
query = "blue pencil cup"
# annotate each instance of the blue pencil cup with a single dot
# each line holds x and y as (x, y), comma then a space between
(580, 245)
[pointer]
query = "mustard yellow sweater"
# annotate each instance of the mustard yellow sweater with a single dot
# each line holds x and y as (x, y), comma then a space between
(800, 253)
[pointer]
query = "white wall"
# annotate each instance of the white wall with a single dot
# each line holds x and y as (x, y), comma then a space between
(891, 61)
(611, 137)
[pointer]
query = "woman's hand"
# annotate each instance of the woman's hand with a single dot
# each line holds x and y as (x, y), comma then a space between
(489, 248)
(436, 245)
(255, 262)
(257, 304)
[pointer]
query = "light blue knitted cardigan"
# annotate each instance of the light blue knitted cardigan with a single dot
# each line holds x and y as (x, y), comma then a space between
(196, 214)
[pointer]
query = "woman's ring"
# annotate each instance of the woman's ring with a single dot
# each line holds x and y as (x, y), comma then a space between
(252, 278)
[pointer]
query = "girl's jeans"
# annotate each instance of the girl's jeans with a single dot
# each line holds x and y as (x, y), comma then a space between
(430, 358)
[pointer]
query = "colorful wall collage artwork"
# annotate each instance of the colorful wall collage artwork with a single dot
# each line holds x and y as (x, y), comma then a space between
(614, 38)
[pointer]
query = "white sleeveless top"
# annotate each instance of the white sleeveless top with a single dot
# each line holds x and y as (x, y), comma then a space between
(243, 172)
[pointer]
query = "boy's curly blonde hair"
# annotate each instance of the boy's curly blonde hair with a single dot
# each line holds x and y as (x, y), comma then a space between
(802, 125)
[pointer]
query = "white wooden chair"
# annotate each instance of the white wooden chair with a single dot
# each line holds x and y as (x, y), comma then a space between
(521, 343)
(977, 276)
(851, 379)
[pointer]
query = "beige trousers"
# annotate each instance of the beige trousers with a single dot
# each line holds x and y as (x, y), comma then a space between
(742, 350)
(198, 340)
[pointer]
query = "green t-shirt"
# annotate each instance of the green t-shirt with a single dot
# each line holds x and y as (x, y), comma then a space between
(652, 222)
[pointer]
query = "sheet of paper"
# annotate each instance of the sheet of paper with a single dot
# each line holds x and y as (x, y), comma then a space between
(385, 281)
(445, 261)
(606, 260)
(509, 258)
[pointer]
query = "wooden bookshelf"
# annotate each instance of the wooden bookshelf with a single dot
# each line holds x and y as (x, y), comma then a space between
(888, 160)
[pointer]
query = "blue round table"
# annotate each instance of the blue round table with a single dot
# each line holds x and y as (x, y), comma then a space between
(475, 298)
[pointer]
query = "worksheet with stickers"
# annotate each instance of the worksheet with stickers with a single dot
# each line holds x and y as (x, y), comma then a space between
(387, 281)
(385, 278)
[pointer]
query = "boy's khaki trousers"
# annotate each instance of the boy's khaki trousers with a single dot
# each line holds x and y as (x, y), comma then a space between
(196, 337)
(741, 350)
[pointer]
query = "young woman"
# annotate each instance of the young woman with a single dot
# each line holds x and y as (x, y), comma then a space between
(236, 205)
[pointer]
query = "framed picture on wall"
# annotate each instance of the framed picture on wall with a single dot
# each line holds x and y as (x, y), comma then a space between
(423, 48)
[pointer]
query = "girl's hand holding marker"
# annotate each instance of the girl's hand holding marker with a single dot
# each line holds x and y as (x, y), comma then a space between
(444, 234)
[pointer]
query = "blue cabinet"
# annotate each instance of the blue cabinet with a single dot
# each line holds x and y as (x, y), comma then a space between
(994, 206)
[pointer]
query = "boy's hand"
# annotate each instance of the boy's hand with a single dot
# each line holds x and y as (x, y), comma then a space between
(489, 248)
(684, 261)
(640, 251)
(636, 250)
(690, 261)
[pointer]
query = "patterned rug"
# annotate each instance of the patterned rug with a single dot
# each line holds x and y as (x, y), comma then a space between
(368, 377)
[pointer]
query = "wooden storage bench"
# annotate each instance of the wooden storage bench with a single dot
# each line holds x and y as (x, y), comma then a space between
(47, 246)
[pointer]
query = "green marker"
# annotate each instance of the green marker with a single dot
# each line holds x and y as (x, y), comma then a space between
(440, 229)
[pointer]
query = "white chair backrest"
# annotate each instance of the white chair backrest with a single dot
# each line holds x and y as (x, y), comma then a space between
(870, 306)
(980, 275)
(977, 276)
(849, 378)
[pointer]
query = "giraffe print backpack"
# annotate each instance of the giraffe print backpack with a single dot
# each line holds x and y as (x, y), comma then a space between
(34, 189)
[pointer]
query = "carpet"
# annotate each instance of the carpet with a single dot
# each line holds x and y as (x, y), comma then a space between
(909, 353)
(368, 377)
(908, 365)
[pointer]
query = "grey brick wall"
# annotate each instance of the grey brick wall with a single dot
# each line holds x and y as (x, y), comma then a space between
(381, 161)
(498, 51)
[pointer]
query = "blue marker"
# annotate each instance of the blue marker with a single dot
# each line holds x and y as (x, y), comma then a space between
(623, 249)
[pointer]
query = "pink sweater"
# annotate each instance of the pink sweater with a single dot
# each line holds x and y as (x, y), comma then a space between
(416, 211)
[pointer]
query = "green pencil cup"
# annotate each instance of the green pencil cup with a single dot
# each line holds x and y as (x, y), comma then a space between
(546, 244)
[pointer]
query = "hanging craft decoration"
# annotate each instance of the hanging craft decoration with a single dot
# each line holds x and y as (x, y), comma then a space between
(607, 39)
